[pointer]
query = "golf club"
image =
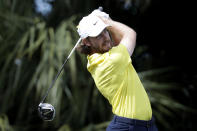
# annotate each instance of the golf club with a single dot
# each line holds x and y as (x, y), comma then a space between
(46, 110)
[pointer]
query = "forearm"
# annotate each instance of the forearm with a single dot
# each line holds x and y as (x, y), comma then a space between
(116, 33)
(123, 34)
(118, 30)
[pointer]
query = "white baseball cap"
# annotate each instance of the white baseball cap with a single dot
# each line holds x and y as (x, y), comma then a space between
(90, 25)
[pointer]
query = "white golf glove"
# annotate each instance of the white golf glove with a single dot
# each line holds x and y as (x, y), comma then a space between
(97, 12)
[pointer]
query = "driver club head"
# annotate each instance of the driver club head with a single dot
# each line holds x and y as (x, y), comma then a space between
(46, 111)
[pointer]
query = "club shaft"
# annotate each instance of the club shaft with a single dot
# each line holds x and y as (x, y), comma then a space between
(59, 72)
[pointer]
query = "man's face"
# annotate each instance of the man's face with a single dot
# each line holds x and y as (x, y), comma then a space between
(102, 43)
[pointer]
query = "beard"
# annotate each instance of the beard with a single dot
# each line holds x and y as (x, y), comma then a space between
(106, 46)
(103, 47)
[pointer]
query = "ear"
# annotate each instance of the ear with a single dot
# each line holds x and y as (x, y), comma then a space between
(86, 42)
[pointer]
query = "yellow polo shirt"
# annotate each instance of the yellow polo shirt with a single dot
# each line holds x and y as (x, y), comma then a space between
(117, 80)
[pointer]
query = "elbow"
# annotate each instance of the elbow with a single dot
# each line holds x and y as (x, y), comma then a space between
(133, 33)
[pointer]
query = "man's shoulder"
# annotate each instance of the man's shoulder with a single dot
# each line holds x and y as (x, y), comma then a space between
(119, 49)
(116, 56)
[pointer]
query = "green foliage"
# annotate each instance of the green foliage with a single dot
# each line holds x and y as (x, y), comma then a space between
(29, 62)
(4, 123)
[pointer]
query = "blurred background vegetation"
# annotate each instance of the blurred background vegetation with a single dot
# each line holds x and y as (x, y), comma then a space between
(37, 35)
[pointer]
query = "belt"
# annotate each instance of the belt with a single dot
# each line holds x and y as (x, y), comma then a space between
(133, 121)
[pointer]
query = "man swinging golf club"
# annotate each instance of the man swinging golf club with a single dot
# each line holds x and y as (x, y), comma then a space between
(108, 45)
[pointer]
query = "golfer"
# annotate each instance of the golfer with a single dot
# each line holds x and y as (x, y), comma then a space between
(108, 45)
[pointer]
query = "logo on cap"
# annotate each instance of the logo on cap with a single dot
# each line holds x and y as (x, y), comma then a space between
(95, 23)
